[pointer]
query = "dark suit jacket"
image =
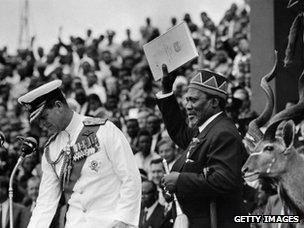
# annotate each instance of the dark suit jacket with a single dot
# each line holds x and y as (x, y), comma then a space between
(156, 220)
(220, 152)
(20, 216)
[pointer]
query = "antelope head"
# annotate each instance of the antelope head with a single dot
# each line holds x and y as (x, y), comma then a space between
(272, 156)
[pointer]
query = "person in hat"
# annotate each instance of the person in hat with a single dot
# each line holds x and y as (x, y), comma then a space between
(207, 177)
(87, 163)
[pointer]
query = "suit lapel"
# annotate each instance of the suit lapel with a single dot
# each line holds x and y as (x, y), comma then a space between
(179, 164)
(201, 137)
(156, 215)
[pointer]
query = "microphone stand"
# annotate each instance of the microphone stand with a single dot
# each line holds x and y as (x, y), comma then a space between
(10, 189)
(27, 147)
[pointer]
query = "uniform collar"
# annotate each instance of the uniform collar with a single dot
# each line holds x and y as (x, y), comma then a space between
(72, 129)
(76, 119)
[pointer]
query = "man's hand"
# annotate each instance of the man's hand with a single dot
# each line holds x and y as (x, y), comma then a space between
(168, 79)
(119, 224)
(169, 181)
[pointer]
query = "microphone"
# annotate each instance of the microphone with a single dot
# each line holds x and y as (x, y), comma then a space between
(29, 144)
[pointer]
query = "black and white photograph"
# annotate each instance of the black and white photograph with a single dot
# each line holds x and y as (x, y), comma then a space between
(152, 114)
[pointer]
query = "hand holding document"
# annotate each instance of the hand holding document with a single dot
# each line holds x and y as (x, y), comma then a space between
(173, 48)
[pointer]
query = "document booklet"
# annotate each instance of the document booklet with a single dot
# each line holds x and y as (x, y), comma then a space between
(173, 48)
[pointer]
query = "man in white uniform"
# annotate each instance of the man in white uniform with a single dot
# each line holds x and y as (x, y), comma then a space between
(88, 161)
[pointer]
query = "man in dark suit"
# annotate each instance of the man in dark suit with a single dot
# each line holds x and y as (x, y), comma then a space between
(209, 170)
(152, 214)
(20, 215)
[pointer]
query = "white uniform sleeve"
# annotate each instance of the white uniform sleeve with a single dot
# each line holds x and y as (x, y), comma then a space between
(123, 161)
(48, 198)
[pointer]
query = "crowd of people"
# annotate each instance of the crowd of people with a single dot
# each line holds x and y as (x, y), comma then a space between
(105, 79)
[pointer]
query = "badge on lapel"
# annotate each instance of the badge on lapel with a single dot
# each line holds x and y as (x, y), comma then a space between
(193, 144)
(94, 165)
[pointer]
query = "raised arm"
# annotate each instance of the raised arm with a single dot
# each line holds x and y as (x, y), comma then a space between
(174, 121)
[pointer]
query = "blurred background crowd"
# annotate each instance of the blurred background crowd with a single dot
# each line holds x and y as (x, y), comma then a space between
(106, 79)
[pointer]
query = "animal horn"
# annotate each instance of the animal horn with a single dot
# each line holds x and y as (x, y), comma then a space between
(254, 126)
(294, 113)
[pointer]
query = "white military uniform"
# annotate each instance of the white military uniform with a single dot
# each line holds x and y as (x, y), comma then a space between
(104, 193)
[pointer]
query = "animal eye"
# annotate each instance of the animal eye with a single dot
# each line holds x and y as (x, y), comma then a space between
(268, 148)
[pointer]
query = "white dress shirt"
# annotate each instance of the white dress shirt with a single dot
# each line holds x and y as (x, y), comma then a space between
(110, 192)
(208, 121)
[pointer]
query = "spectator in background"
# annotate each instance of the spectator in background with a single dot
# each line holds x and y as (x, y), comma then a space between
(129, 42)
(4, 161)
(152, 213)
(144, 156)
(110, 45)
(95, 88)
(156, 171)
(206, 53)
(153, 125)
(132, 131)
(147, 31)
(105, 64)
(25, 173)
(221, 63)
(29, 200)
(173, 21)
(242, 107)
(208, 27)
(142, 117)
(67, 81)
(242, 57)
(89, 38)
(191, 25)
(167, 150)
(95, 106)
(81, 98)
(21, 216)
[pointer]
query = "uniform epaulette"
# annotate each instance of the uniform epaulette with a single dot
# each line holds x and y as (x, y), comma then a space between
(50, 139)
(94, 121)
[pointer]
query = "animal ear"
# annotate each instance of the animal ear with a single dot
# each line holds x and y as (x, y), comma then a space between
(288, 133)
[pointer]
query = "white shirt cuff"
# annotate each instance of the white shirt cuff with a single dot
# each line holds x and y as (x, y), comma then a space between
(161, 95)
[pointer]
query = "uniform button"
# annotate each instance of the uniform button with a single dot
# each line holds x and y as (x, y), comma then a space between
(84, 210)
(81, 192)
